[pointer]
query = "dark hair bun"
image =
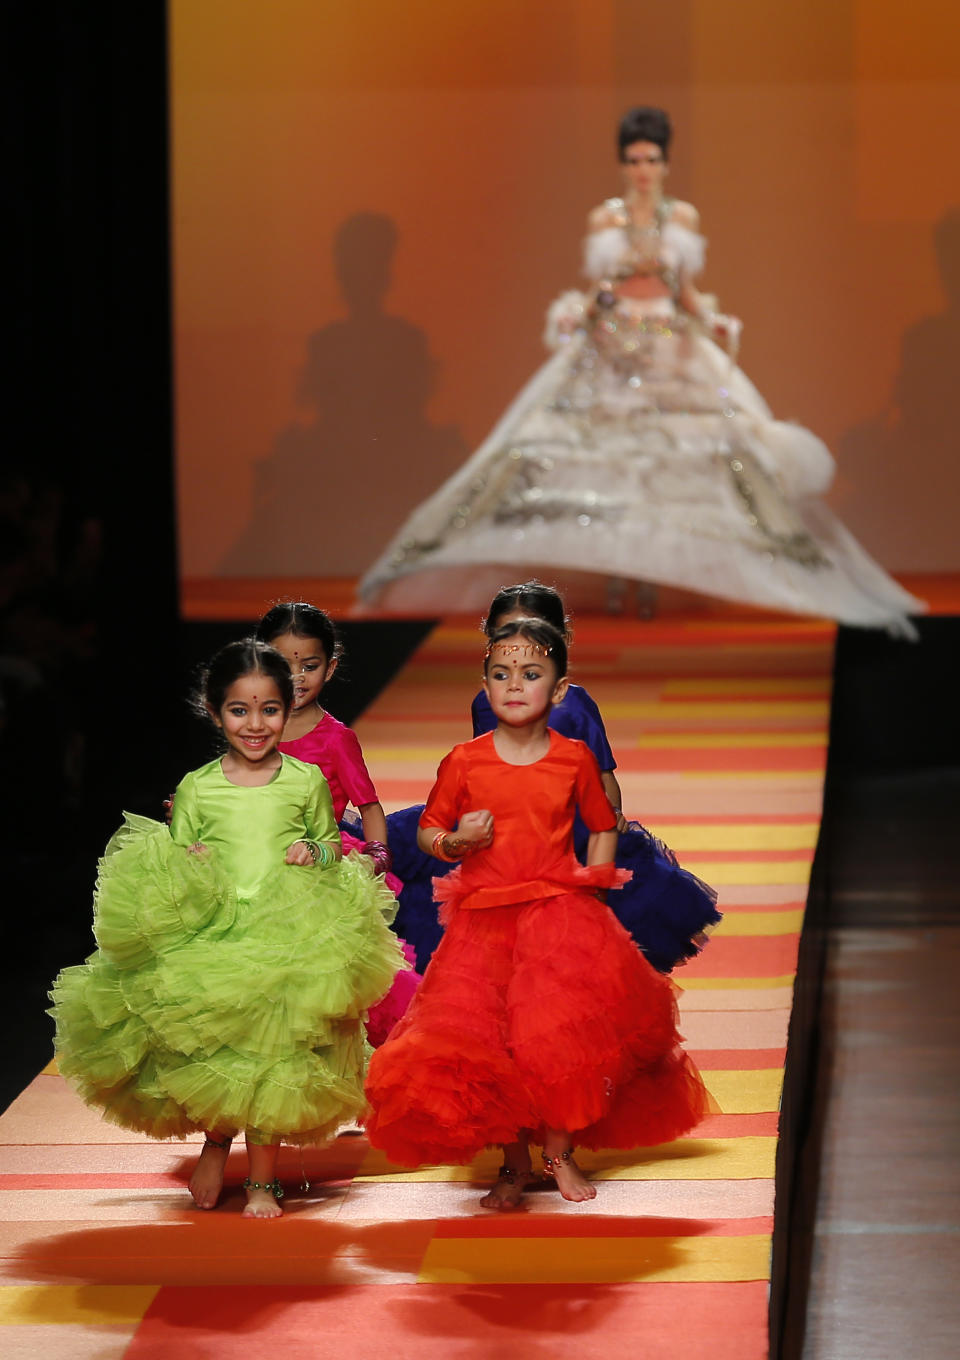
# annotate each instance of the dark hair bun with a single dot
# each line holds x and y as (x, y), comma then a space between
(645, 124)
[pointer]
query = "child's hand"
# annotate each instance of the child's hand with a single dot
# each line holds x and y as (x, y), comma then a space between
(476, 829)
(300, 853)
(197, 848)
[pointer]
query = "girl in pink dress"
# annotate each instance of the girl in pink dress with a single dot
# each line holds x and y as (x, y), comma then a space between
(307, 637)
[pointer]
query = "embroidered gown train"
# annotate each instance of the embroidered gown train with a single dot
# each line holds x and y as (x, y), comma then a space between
(641, 451)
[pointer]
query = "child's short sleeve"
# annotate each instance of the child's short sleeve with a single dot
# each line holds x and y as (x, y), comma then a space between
(185, 822)
(444, 803)
(592, 801)
(354, 776)
(318, 818)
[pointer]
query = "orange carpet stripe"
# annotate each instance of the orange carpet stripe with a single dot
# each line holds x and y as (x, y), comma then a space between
(748, 1058)
(742, 956)
(797, 758)
(87, 1180)
(762, 1125)
(676, 1321)
(530, 1225)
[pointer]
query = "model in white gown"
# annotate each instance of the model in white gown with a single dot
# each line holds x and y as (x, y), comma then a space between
(641, 451)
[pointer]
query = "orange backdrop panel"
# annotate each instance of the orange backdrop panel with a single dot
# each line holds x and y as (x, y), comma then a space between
(374, 203)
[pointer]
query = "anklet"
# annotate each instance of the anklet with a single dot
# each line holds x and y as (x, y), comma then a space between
(212, 1142)
(510, 1174)
(273, 1187)
(551, 1163)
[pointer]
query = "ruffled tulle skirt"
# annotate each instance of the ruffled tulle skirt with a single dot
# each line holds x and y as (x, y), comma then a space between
(204, 1010)
(667, 910)
(537, 1016)
(640, 451)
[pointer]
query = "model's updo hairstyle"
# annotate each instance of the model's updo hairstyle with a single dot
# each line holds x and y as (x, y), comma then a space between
(302, 620)
(542, 602)
(645, 124)
(537, 632)
(249, 656)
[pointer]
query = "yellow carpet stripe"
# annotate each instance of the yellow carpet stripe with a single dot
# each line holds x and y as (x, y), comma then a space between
(690, 1159)
(809, 778)
(752, 1091)
(724, 872)
(726, 984)
(752, 923)
(90, 1304)
(715, 741)
(599, 1260)
(776, 708)
(731, 684)
(739, 836)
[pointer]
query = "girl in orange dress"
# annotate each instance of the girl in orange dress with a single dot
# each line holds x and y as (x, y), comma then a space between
(538, 1016)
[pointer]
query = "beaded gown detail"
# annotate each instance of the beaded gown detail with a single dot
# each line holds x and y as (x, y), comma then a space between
(640, 451)
(229, 989)
(537, 1010)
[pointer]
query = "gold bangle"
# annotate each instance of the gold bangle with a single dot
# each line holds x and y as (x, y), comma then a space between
(439, 851)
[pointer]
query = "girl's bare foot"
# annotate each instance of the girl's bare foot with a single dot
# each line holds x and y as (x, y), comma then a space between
(207, 1179)
(262, 1200)
(508, 1191)
(571, 1182)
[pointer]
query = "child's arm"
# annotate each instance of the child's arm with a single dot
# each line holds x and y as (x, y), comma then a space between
(612, 789)
(359, 787)
(595, 809)
(321, 845)
(444, 810)
(601, 847)
(474, 832)
(374, 822)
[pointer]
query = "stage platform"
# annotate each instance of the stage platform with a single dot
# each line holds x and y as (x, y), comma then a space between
(720, 727)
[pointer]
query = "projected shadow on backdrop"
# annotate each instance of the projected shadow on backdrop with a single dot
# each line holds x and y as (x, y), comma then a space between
(333, 490)
(901, 466)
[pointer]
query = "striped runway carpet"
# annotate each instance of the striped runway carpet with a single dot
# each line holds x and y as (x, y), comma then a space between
(720, 728)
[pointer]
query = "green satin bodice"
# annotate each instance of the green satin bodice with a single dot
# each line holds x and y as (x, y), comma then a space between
(251, 829)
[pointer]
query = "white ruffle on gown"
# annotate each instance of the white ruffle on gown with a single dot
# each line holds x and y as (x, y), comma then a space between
(640, 451)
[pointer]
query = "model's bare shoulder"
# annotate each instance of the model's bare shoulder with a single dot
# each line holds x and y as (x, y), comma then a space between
(610, 213)
(685, 215)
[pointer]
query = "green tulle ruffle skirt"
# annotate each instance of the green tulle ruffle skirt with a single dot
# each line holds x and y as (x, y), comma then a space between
(204, 1010)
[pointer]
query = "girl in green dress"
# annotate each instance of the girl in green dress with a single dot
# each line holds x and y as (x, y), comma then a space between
(238, 952)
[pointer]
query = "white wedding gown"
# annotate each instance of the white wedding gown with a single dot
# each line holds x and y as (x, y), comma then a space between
(639, 451)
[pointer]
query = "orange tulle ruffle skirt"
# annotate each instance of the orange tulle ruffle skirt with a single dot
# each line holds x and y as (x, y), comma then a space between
(534, 1016)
